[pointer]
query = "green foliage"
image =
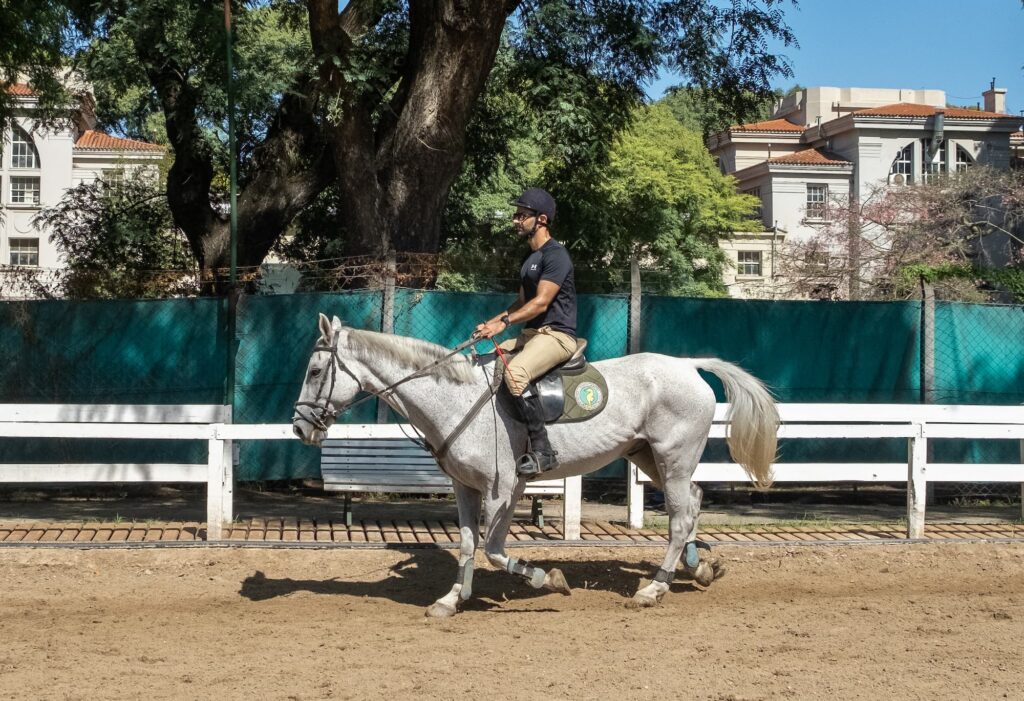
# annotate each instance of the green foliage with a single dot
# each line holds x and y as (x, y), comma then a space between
(270, 50)
(658, 196)
(118, 240)
(34, 40)
(706, 111)
(661, 199)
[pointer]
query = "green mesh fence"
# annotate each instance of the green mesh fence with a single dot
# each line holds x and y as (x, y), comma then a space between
(804, 351)
(172, 351)
(111, 352)
(276, 338)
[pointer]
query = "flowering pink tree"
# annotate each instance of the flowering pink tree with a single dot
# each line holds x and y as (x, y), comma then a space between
(964, 231)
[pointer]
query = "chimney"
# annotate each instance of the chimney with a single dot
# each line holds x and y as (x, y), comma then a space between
(995, 98)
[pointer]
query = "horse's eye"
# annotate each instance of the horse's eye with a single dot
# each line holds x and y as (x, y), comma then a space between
(315, 372)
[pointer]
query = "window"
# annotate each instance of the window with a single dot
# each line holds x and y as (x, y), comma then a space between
(113, 178)
(24, 190)
(904, 163)
(25, 252)
(932, 170)
(963, 159)
(23, 151)
(817, 200)
(748, 263)
(757, 213)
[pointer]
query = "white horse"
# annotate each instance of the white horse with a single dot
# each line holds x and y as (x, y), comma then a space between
(658, 415)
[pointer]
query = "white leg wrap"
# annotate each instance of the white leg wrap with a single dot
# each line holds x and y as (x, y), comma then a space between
(466, 580)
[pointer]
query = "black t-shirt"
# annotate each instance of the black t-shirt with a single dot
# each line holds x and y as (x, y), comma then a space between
(551, 262)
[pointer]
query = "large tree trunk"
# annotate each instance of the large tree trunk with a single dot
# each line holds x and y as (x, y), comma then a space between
(395, 175)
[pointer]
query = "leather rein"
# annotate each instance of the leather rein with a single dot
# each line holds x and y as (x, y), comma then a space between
(321, 408)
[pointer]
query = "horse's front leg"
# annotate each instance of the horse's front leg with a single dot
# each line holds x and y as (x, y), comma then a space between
(468, 501)
(498, 514)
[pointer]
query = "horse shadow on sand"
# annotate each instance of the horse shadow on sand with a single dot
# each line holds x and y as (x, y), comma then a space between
(425, 575)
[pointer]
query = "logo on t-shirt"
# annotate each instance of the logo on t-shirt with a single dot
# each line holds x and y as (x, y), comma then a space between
(533, 267)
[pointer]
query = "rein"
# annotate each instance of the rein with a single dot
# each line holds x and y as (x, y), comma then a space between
(320, 409)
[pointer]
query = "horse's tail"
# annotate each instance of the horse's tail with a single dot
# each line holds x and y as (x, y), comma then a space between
(754, 419)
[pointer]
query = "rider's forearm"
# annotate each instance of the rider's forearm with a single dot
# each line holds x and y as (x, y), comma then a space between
(515, 306)
(525, 312)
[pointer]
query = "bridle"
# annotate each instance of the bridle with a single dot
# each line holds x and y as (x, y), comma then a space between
(321, 409)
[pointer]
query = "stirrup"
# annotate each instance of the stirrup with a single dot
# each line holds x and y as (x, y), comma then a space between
(531, 463)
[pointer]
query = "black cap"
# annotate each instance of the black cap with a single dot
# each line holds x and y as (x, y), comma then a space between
(539, 201)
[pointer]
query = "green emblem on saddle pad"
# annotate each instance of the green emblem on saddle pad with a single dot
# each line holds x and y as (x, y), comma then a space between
(588, 396)
(584, 395)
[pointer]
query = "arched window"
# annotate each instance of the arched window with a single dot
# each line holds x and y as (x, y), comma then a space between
(23, 151)
(904, 162)
(932, 169)
(963, 159)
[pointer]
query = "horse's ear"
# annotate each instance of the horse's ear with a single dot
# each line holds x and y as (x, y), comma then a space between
(326, 331)
(336, 325)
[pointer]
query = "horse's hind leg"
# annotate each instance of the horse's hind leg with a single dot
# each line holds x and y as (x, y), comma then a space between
(468, 501)
(703, 572)
(682, 520)
(498, 514)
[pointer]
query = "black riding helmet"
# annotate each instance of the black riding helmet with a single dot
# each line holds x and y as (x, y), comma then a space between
(539, 201)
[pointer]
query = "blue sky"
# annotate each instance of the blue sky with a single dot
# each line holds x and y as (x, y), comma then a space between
(952, 45)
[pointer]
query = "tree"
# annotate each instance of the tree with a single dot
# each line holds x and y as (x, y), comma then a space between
(118, 240)
(35, 38)
(966, 229)
(708, 111)
(381, 105)
(661, 199)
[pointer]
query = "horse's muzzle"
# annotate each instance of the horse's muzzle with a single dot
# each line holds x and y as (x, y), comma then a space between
(315, 435)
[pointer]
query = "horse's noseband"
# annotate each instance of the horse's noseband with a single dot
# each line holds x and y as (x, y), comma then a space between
(321, 408)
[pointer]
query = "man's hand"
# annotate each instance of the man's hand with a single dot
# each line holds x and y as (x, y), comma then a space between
(489, 329)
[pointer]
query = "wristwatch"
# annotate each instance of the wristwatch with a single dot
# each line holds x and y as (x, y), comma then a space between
(504, 318)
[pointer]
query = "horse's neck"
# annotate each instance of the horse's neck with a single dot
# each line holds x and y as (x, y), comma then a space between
(430, 403)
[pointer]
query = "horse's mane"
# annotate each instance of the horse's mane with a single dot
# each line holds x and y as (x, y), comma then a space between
(411, 353)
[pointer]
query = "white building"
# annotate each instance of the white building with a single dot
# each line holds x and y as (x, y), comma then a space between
(825, 144)
(37, 166)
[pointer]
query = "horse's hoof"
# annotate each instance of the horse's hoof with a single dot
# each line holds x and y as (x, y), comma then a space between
(718, 568)
(704, 575)
(642, 601)
(439, 610)
(555, 581)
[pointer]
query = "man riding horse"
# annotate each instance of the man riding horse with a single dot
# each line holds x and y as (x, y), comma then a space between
(547, 305)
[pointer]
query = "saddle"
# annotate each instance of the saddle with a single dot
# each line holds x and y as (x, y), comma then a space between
(573, 391)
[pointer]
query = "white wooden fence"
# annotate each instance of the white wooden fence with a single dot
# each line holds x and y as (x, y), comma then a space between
(915, 423)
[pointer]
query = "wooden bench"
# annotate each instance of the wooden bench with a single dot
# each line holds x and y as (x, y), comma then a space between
(384, 458)
(916, 423)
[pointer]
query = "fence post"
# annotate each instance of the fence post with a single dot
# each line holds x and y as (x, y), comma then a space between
(218, 487)
(387, 318)
(927, 342)
(917, 463)
(928, 357)
(572, 507)
(634, 488)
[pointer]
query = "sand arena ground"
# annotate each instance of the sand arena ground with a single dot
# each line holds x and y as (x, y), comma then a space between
(926, 621)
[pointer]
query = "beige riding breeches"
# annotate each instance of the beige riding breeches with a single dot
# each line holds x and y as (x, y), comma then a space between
(537, 351)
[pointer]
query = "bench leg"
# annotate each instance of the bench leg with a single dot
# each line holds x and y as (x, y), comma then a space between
(537, 512)
(348, 510)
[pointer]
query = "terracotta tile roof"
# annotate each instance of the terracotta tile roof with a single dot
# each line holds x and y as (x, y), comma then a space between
(98, 141)
(770, 125)
(20, 89)
(810, 157)
(909, 109)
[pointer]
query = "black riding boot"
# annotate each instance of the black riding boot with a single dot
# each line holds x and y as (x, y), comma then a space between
(540, 458)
